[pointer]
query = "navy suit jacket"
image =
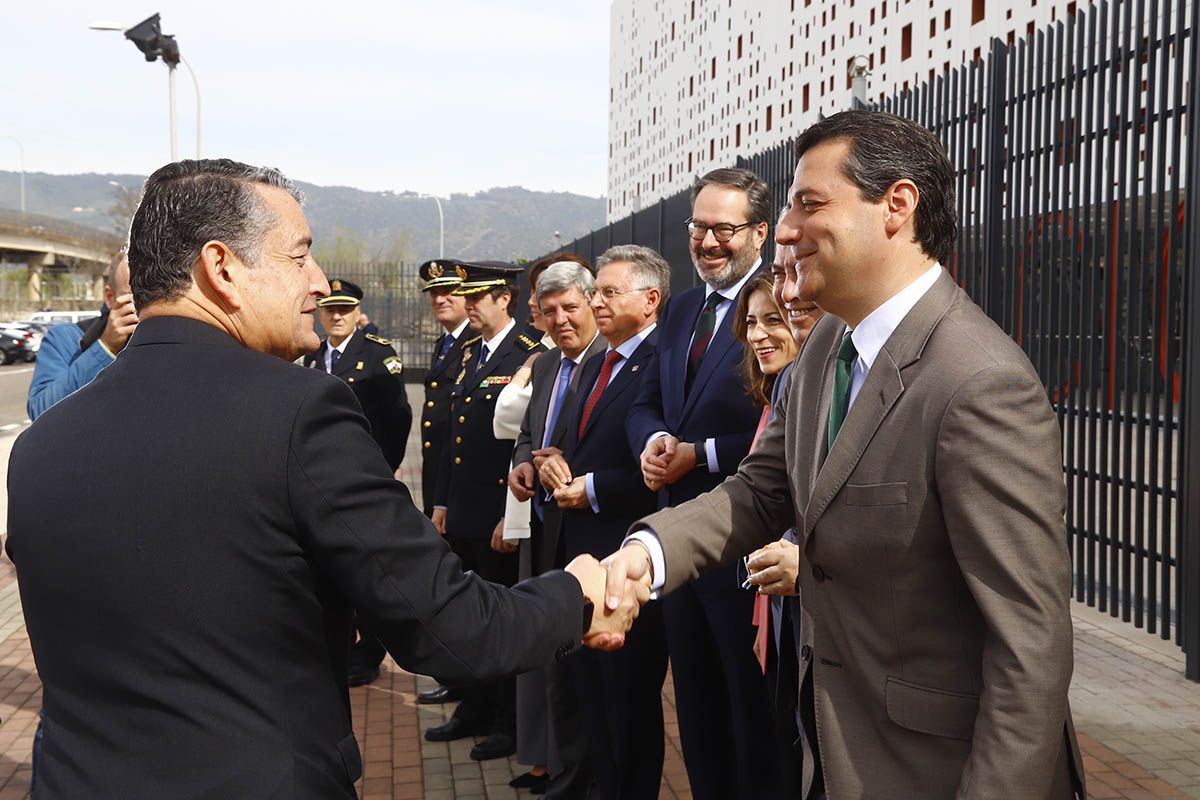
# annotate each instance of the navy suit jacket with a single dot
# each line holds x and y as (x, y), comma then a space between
(604, 451)
(718, 406)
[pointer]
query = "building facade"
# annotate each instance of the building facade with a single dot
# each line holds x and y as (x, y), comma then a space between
(695, 83)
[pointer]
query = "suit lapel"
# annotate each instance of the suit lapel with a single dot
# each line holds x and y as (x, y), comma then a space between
(350, 356)
(717, 349)
(496, 358)
(880, 391)
(560, 425)
(452, 358)
(629, 374)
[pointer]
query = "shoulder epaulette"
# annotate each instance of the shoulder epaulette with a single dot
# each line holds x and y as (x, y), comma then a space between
(379, 339)
(529, 344)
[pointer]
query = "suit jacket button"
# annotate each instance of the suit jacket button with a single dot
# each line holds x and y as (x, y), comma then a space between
(462, 419)
(427, 445)
(427, 423)
(458, 440)
(487, 397)
(433, 385)
(805, 653)
(468, 399)
(429, 404)
(818, 573)
(502, 481)
(458, 459)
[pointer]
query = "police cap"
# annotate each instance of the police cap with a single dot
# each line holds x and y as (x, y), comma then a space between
(440, 273)
(342, 293)
(483, 276)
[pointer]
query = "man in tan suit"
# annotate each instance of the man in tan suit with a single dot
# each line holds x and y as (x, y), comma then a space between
(916, 453)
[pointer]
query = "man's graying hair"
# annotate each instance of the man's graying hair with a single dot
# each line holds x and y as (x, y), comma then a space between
(758, 194)
(563, 276)
(648, 270)
(884, 148)
(188, 203)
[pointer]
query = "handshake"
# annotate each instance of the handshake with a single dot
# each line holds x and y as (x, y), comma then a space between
(618, 587)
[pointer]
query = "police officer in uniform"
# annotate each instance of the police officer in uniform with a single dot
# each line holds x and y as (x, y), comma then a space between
(450, 310)
(469, 500)
(369, 364)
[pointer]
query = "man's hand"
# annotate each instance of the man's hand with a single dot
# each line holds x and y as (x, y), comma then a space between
(573, 495)
(609, 624)
(498, 543)
(773, 569)
(555, 472)
(540, 456)
(439, 520)
(665, 460)
(520, 481)
(122, 319)
(627, 568)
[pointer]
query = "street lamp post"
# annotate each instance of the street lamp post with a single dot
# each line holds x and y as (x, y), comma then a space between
(441, 224)
(148, 37)
(20, 164)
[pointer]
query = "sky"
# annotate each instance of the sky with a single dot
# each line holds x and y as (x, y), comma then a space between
(410, 95)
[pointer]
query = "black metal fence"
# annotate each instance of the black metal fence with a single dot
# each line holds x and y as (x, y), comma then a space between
(1075, 153)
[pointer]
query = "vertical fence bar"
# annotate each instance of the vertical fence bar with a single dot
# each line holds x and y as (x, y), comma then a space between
(1120, 345)
(1189, 477)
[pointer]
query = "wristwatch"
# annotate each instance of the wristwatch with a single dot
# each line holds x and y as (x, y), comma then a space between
(701, 455)
(588, 610)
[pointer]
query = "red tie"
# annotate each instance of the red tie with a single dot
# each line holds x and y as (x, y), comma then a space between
(610, 360)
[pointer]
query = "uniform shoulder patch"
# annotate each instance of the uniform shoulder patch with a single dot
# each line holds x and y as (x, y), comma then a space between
(529, 344)
(393, 365)
(378, 339)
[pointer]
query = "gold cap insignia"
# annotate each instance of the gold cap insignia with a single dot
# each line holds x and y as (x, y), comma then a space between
(436, 270)
(462, 273)
(336, 286)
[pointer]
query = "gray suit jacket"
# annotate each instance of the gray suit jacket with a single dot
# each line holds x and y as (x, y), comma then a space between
(533, 433)
(934, 566)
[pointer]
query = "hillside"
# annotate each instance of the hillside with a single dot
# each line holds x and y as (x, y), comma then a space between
(351, 224)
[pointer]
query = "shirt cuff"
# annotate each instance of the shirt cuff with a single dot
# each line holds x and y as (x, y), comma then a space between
(658, 562)
(653, 436)
(710, 450)
(589, 482)
(106, 351)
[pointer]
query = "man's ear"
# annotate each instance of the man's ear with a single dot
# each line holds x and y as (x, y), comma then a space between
(110, 296)
(901, 205)
(220, 275)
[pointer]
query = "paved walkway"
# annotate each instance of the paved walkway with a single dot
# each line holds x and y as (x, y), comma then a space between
(1138, 719)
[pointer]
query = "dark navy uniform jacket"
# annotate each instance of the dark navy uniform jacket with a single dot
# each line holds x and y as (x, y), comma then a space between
(435, 413)
(474, 472)
(373, 370)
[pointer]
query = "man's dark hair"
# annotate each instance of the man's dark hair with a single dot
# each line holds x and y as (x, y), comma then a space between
(885, 148)
(187, 204)
(758, 194)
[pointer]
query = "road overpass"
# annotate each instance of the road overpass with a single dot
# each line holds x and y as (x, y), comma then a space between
(45, 244)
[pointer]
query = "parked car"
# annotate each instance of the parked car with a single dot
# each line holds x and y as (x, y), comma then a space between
(55, 317)
(35, 330)
(15, 348)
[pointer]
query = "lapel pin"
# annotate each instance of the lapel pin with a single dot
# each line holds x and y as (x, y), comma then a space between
(635, 367)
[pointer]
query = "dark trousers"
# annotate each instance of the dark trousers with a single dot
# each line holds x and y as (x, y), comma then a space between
(721, 699)
(621, 697)
(492, 702)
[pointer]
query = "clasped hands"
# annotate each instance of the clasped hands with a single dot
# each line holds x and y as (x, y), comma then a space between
(555, 474)
(618, 587)
(665, 460)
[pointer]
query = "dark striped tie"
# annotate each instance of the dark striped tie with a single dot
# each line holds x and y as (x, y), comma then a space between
(841, 387)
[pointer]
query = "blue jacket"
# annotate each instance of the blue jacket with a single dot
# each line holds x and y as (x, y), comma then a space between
(63, 368)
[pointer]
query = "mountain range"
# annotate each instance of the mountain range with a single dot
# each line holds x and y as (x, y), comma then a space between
(504, 223)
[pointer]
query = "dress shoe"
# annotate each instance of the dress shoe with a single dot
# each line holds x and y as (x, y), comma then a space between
(441, 694)
(531, 781)
(498, 745)
(361, 674)
(455, 728)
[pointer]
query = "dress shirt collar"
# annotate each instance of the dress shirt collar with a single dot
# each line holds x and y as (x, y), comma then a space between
(458, 332)
(627, 347)
(494, 342)
(732, 292)
(877, 327)
(582, 353)
(341, 348)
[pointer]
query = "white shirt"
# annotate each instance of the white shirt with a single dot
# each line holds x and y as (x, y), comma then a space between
(869, 338)
(457, 333)
(341, 348)
(494, 342)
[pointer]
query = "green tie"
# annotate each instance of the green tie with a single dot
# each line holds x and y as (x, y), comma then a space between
(841, 387)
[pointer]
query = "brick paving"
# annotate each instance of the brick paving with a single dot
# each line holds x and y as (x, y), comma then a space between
(1138, 719)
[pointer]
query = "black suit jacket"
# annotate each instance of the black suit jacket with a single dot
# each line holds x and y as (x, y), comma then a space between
(473, 477)
(435, 413)
(545, 533)
(373, 371)
(191, 532)
(603, 450)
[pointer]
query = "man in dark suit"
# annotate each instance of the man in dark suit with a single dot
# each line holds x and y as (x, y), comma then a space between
(598, 484)
(471, 482)
(563, 295)
(916, 453)
(692, 423)
(450, 310)
(189, 612)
